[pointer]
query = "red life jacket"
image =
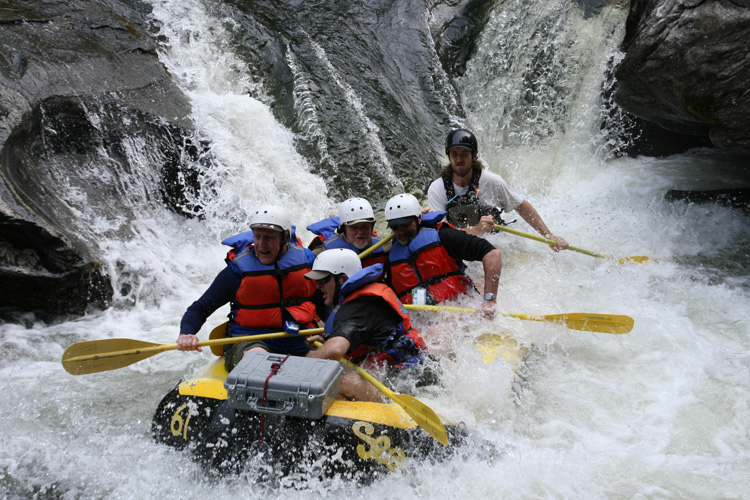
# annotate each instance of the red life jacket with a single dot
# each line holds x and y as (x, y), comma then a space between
(268, 295)
(424, 262)
(396, 350)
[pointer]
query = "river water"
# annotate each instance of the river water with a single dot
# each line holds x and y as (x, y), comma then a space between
(661, 412)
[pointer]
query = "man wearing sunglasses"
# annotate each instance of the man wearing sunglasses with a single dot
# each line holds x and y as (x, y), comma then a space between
(367, 324)
(426, 263)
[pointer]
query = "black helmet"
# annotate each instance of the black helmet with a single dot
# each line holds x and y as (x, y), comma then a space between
(463, 138)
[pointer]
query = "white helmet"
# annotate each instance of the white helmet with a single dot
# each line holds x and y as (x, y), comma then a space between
(271, 217)
(356, 210)
(401, 208)
(335, 261)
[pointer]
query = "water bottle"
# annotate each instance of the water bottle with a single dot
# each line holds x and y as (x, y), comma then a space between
(419, 296)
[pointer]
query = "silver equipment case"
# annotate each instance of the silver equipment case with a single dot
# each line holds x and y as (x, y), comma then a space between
(301, 387)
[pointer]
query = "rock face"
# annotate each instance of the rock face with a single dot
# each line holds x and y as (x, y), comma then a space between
(322, 63)
(92, 127)
(687, 69)
(79, 82)
(82, 91)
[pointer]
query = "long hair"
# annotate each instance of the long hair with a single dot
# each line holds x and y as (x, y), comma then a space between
(447, 171)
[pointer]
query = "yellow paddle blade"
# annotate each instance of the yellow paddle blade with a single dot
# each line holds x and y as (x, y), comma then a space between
(587, 322)
(492, 346)
(634, 259)
(423, 416)
(418, 411)
(220, 332)
(96, 356)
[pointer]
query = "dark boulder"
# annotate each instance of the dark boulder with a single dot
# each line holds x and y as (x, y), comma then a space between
(686, 68)
(734, 197)
(80, 84)
(456, 28)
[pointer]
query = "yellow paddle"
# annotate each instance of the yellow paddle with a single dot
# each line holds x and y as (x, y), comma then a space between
(377, 245)
(636, 259)
(422, 414)
(95, 356)
(110, 354)
(587, 322)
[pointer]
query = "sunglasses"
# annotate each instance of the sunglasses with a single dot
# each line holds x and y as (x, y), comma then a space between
(401, 226)
(324, 281)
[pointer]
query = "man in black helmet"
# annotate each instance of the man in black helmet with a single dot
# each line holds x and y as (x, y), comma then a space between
(474, 197)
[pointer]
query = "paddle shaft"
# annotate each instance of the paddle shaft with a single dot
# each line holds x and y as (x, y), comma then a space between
(157, 348)
(377, 245)
(633, 259)
(551, 243)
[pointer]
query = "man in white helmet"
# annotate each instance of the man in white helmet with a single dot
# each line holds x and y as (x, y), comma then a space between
(426, 261)
(265, 286)
(367, 324)
(352, 229)
(474, 197)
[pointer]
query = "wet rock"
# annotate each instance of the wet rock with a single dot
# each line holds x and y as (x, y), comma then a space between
(456, 27)
(361, 83)
(733, 198)
(79, 82)
(686, 68)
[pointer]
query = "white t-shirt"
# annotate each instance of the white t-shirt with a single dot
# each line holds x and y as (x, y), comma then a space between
(493, 190)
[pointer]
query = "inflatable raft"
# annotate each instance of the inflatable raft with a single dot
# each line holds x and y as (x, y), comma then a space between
(223, 423)
(223, 426)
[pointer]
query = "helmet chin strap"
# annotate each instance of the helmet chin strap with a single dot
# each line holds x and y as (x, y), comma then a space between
(284, 248)
(337, 293)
